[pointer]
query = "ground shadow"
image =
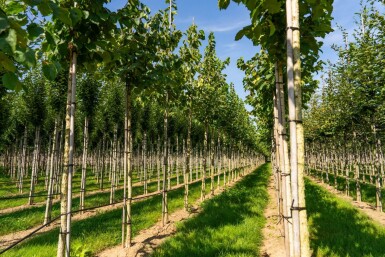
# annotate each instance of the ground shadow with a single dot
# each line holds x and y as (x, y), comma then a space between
(338, 229)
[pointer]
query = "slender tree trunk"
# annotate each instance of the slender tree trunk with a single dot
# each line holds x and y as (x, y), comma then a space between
(205, 158)
(159, 163)
(284, 163)
(304, 233)
(114, 164)
(66, 184)
(188, 158)
(127, 186)
(177, 160)
(293, 132)
(144, 150)
(212, 167)
(34, 166)
(48, 209)
(24, 166)
(84, 164)
(165, 162)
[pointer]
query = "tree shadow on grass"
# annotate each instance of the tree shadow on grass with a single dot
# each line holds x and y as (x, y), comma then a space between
(338, 229)
(229, 225)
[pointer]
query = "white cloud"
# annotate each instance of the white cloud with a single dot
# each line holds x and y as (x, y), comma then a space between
(225, 27)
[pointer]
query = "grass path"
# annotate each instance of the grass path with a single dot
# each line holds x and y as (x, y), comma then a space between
(230, 224)
(338, 229)
(106, 227)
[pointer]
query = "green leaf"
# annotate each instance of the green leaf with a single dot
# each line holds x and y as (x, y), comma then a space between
(61, 13)
(32, 2)
(49, 71)
(30, 60)
(76, 15)
(242, 32)
(11, 81)
(19, 56)
(14, 7)
(49, 38)
(34, 30)
(223, 4)
(272, 27)
(273, 6)
(7, 63)
(106, 56)
(4, 25)
(12, 39)
(44, 9)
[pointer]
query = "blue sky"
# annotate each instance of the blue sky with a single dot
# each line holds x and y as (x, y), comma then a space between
(225, 24)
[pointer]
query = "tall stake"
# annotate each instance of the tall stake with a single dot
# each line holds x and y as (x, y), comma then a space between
(304, 233)
(71, 153)
(293, 131)
(284, 161)
(66, 183)
(127, 184)
(165, 170)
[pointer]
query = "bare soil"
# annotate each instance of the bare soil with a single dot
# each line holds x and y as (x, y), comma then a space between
(274, 242)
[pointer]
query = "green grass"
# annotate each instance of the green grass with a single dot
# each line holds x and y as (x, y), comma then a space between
(30, 217)
(337, 229)
(104, 230)
(229, 225)
(368, 191)
(8, 187)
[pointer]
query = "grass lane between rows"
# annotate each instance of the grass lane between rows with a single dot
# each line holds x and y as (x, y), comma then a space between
(230, 224)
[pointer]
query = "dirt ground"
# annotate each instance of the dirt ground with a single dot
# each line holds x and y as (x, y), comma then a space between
(274, 242)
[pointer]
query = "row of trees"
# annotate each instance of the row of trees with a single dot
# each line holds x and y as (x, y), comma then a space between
(345, 120)
(286, 55)
(131, 85)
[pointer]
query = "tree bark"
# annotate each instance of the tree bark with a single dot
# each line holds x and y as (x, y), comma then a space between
(165, 163)
(84, 164)
(127, 184)
(66, 183)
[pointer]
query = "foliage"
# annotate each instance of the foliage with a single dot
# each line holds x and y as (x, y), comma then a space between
(352, 96)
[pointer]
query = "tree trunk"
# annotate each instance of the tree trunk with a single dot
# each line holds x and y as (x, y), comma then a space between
(84, 164)
(188, 159)
(304, 233)
(114, 164)
(127, 184)
(34, 166)
(66, 184)
(144, 151)
(205, 157)
(284, 162)
(48, 209)
(165, 163)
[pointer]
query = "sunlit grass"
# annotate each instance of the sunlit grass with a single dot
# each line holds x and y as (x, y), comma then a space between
(337, 229)
(229, 225)
(104, 230)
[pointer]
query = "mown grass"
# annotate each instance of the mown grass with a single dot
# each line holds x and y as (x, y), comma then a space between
(8, 188)
(338, 229)
(30, 217)
(229, 225)
(104, 230)
(368, 191)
